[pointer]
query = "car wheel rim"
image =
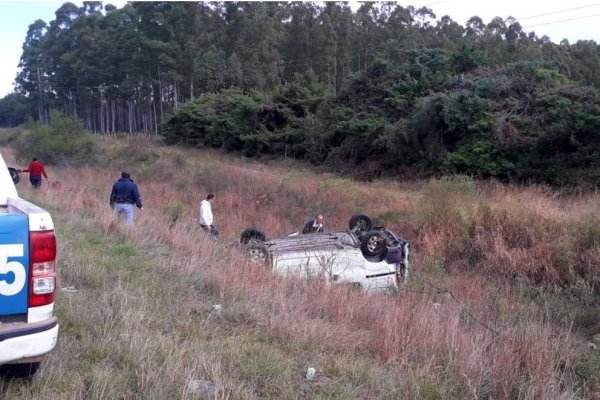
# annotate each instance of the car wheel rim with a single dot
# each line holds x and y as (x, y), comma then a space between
(257, 255)
(361, 225)
(373, 244)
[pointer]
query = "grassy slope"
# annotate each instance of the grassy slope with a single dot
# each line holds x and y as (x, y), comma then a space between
(142, 323)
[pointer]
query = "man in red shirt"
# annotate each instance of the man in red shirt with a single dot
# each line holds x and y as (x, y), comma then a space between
(36, 170)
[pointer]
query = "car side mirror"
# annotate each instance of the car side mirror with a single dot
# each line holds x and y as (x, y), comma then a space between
(14, 175)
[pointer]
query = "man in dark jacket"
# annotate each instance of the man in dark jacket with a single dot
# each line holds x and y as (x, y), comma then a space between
(314, 225)
(123, 196)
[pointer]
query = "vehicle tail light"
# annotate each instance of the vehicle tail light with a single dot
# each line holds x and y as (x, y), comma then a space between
(42, 268)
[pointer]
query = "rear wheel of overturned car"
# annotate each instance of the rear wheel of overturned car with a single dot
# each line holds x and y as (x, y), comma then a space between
(257, 253)
(360, 223)
(252, 235)
(374, 245)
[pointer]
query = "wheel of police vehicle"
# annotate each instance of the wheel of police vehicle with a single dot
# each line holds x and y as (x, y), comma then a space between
(257, 253)
(360, 223)
(374, 245)
(19, 371)
(14, 175)
(252, 235)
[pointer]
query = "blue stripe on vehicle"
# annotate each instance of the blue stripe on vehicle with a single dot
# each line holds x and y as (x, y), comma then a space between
(14, 263)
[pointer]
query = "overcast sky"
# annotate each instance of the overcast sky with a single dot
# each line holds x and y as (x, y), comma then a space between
(573, 20)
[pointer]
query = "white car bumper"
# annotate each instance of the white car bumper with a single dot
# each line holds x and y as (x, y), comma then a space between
(21, 341)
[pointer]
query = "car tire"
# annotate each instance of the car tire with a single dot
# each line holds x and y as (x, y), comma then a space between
(19, 371)
(252, 235)
(360, 223)
(374, 245)
(257, 253)
(14, 174)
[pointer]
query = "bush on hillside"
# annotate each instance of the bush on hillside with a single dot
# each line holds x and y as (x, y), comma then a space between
(523, 122)
(63, 141)
(289, 123)
(8, 136)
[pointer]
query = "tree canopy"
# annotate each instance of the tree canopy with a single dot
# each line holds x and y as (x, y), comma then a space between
(385, 88)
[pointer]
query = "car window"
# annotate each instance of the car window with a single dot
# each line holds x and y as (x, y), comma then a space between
(345, 239)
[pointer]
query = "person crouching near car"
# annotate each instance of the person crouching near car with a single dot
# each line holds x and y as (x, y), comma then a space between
(124, 195)
(206, 216)
(314, 225)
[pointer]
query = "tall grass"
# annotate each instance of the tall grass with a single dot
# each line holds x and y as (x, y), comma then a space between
(143, 324)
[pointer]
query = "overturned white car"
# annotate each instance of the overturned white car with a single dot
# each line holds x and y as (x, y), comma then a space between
(366, 257)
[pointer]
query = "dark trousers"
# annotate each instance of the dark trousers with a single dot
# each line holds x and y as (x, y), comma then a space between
(211, 229)
(36, 181)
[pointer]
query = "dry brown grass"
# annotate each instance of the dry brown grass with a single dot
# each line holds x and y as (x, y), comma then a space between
(143, 324)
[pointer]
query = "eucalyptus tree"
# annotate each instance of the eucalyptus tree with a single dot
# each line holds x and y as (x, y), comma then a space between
(58, 43)
(84, 60)
(366, 35)
(493, 43)
(32, 63)
(14, 110)
(211, 68)
(254, 35)
(300, 43)
(584, 62)
(474, 28)
(339, 39)
(449, 33)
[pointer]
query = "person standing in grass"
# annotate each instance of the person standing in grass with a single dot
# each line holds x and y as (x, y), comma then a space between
(314, 225)
(124, 195)
(206, 216)
(36, 170)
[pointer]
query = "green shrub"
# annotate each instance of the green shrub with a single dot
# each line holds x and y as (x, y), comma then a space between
(448, 197)
(390, 217)
(587, 232)
(174, 212)
(63, 141)
(428, 389)
(588, 366)
(220, 120)
(138, 154)
(482, 157)
(179, 162)
(8, 136)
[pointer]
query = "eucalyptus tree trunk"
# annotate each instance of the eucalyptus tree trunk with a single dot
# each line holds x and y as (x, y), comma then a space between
(113, 115)
(153, 111)
(130, 116)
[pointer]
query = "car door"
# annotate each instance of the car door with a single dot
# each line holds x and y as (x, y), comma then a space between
(308, 262)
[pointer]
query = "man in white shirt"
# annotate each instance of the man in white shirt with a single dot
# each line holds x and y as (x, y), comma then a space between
(206, 216)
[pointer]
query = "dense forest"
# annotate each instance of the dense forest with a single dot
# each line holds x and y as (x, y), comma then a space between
(381, 90)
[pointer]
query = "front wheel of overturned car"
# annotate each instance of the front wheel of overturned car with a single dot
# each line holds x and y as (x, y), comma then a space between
(374, 245)
(360, 223)
(257, 253)
(252, 235)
